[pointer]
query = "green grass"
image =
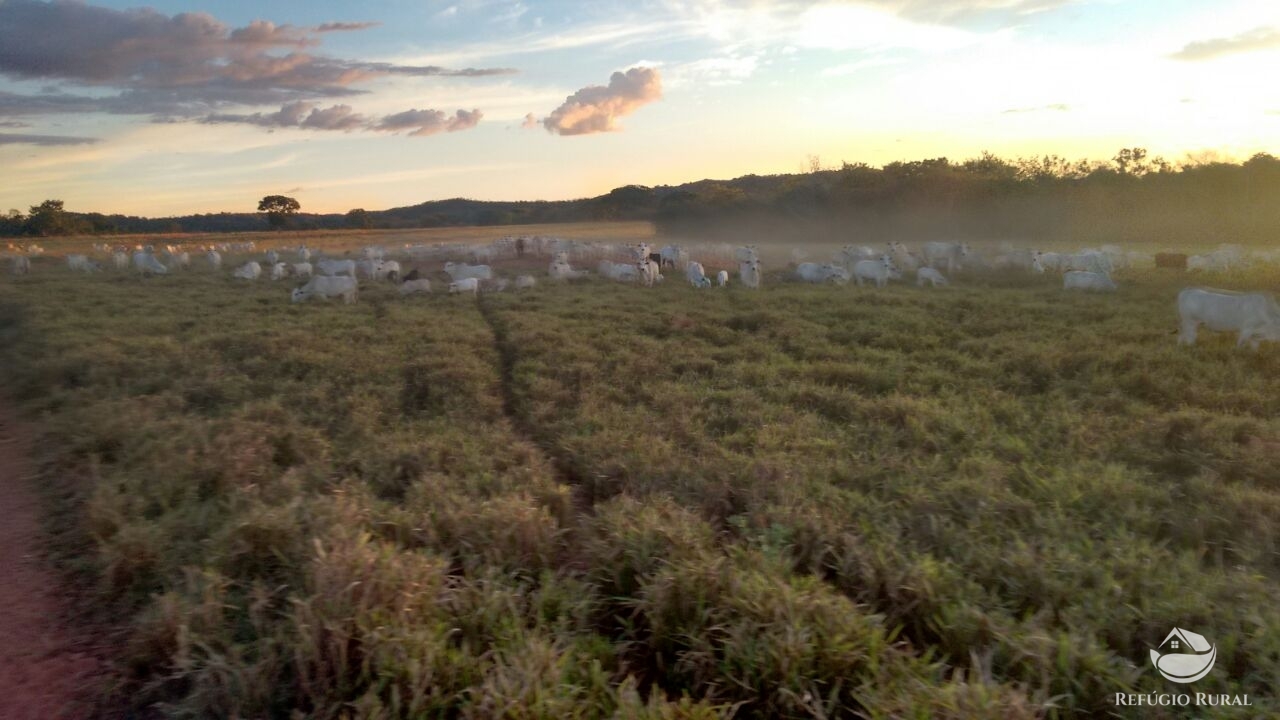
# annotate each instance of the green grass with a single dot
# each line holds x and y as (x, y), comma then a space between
(596, 500)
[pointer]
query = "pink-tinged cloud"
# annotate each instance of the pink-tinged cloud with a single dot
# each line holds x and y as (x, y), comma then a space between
(530, 122)
(596, 108)
(429, 122)
(299, 115)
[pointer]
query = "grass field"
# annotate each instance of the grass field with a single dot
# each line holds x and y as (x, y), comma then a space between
(596, 500)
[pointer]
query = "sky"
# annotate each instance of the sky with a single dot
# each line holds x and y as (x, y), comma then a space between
(172, 108)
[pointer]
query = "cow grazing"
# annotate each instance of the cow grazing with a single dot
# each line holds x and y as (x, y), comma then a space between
(465, 285)
(945, 254)
(621, 272)
(327, 286)
(419, 285)
(749, 273)
(1254, 315)
(696, 275)
(147, 263)
(279, 271)
(337, 267)
(879, 271)
(1083, 280)
(524, 282)
(826, 272)
(1088, 261)
(560, 269)
(671, 255)
(931, 276)
(248, 271)
(460, 271)
(81, 263)
(302, 269)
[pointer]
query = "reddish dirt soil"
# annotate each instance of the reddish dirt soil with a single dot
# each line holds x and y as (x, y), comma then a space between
(47, 668)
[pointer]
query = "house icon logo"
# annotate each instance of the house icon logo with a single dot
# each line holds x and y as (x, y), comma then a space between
(1184, 656)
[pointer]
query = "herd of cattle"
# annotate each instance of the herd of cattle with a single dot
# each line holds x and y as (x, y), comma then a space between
(1255, 316)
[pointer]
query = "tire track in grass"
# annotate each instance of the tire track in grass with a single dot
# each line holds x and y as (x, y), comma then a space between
(583, 490)
(48, 670)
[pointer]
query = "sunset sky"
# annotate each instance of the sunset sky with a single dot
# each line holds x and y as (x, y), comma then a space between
(140, 109)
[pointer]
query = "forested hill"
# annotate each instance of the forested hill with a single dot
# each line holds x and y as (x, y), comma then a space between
(1130, 197)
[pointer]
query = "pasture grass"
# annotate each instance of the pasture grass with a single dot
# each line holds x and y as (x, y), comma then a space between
(595, 500)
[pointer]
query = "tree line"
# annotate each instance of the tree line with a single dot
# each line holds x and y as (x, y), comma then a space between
(1130, 197)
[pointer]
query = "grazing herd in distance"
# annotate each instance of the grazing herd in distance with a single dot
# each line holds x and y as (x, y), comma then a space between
(1254, 316)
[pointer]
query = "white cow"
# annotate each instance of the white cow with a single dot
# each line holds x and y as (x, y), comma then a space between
(1020, 260)
(279, 271)
(81, 263)
(471, 285)
(878, 271)
(215, 259)
(826, 272)
(147, 263)
(273, 257)
(20, 265)
(460, 271)
(560, 269)
(121, 260)
(931, 276)
(1087, 261)
(672, 255)
(749, 273)
(421, 285)
(386, 270)
(850, 254)
(523, 282)
(722, 278)
(1254, 315)
(696, 274)
(949, 254)
(649, 272)
(248, 271)
(327, 286)
(302, 269)
(621, 272)
(902, 257)
(304, 254)
(1084, 280)
(337, 267)
(180, 260)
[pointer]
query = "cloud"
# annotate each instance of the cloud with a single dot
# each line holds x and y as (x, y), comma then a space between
(22, 139)
(344, 26)
(595, 108)
(183, 65)
(429, 122)
(530, 122)
(308, 116)
(298, 115)
(1055, 107)
(1260, 38)
(13, 124)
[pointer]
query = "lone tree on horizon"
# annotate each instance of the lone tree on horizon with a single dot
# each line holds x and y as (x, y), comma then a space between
(279, 208)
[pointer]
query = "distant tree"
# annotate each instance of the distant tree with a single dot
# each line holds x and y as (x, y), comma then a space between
(359, 218)
(1132, 161)
(12, 223)
(48, 218)
(279, 208)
